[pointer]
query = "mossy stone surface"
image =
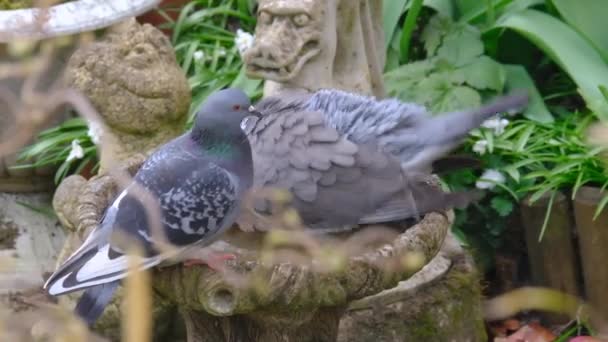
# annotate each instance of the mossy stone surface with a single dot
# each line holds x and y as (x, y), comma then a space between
(447, 308)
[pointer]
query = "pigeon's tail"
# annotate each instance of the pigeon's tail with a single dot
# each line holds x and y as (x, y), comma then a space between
(94, 300)
(440, 134)
(93, 263)
(449, 127)
(420, 199)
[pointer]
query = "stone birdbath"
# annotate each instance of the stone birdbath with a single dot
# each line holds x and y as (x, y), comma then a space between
(418, 286)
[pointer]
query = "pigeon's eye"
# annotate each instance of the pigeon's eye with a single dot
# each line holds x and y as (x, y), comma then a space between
(236, 107)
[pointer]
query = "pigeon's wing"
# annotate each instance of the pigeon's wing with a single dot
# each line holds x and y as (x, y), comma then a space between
(295, 150)
(405, 130)
(422, 195)
(195, 200)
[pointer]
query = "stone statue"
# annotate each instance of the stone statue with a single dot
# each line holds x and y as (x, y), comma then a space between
(313, 44)
(136, 85)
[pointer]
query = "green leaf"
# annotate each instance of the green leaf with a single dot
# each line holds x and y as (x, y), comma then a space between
(250, 86)
(518, 78)
(565, 167)
(433, 32)
(440, 96)
(443, 7)
(461, 46)
(547, 215)
(569, 50)
(513, 172)
(523, 138)
(600, 207)
(483, 73)
(391, 12)
(402, 82)
(502, 206)
(589, 18)
(408, 28)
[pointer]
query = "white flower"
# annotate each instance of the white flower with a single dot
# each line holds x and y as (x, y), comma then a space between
(489, 178)
(480, 146)
(95, 132)
(221, 51)
(243, 40)
(76, 152)
(198, 55)
(497, 124)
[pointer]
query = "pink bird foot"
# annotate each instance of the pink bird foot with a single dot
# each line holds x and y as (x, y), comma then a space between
(214, 261)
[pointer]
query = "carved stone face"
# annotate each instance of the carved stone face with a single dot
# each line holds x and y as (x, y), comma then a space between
(132, 79)
(288, 35)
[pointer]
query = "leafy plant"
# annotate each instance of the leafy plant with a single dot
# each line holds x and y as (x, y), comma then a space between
(53, 147)
(454, 72)
(536, 159)
(204, 40)
(570, 50)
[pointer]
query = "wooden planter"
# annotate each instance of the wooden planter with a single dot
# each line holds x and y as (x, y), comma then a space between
(553, 259)
(593, 239)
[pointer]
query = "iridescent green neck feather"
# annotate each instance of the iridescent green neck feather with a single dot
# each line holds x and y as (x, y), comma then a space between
(217, 142)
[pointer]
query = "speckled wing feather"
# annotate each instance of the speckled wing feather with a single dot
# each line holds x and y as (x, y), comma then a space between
(295, 150)
(196, 198)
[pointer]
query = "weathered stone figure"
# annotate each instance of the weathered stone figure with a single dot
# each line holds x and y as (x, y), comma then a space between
(134, 82)
(314, 44)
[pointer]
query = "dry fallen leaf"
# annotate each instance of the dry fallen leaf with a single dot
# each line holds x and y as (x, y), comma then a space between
(532, 332)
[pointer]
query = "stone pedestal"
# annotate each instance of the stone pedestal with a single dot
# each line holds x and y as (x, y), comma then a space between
(442, 302)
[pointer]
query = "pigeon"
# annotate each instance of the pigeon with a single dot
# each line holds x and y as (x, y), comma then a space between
(197, 181)
(349, 159)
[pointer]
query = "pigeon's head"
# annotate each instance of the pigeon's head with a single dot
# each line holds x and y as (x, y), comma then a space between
(220, 116)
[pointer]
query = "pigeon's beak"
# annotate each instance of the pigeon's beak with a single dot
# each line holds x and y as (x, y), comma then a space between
(254, 112)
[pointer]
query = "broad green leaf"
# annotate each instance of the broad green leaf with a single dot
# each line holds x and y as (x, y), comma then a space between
(433, 32)
(461, 45)
(440, 95)
(483, 73)
(569, 50)
(502, 206)
(519, 5)
(443, 7)
(391, 12)
(402, 82)
(474, 10)
(589, 18)
(518, 78)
